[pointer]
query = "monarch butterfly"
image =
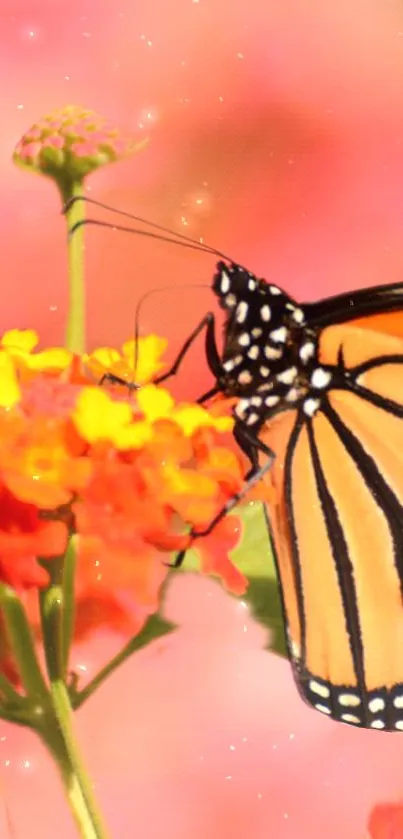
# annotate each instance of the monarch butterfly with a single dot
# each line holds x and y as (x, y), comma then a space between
(320, 405)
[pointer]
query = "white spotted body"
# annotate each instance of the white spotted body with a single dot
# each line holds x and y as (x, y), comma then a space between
(266, 341)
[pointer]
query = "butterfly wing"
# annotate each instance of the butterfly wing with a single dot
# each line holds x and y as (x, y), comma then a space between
(337, 527)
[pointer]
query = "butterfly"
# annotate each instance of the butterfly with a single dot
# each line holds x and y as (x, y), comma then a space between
(319, 413)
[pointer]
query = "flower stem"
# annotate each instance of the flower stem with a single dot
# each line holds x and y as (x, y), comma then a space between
(155, 628)
(78, 786)
(75, 329)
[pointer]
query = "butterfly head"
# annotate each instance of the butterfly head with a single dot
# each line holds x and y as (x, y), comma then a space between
(268, 349)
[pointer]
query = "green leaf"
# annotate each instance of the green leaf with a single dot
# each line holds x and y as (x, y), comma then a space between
(254, 557)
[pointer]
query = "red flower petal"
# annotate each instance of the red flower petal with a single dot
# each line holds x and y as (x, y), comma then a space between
(213, 551)
(386, 821)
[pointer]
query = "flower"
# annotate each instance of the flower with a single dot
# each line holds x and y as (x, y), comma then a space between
(70, 142)
(127, 472)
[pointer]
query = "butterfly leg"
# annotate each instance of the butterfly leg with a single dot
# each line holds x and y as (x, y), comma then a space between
(250, 445)
(212, 354)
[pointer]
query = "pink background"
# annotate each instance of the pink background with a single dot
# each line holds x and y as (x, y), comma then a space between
(277, 134)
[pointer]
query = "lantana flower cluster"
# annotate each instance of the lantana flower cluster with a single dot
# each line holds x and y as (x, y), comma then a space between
(123, 472)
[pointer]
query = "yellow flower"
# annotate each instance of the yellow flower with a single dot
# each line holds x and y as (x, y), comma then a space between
(157, 403)
(9, 389)
(98, 418)
(121, 364)
(19, 344)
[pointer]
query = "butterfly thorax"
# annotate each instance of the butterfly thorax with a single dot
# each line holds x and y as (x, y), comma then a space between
(269, 354)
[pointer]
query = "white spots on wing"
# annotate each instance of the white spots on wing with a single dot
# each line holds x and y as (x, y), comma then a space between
(319, 689)
(244, 339)
(257, 332)
(264, 371)
(253, 353)
(377, 724)
(242, 311)
(311, 406)
(225, 284)
(229, 365)
(245, 377)
(323, 709)
(307, 351)
(270, 401)
(252, 285)
(265, 313)
(274, 290)
(286, 377)
(279, 336)
(398, 701)
(256, 401)
(351, 718)
(320, 378)
(252, 418)
(272, 353)
(399, 725)
(349, 700)
(376, 704)
(230, 301)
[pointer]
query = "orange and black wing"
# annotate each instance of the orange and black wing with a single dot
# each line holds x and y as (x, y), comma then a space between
(337, 527)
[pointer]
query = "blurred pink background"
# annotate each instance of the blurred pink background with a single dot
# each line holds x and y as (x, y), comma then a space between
(276, 134)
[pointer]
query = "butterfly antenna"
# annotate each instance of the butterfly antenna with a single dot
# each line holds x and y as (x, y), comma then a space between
(172, 237)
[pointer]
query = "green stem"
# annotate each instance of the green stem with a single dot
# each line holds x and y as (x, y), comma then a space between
(51, 610)
(77, 784)
(155, 627)
(22, 645)
(68, 616)
(75, 329)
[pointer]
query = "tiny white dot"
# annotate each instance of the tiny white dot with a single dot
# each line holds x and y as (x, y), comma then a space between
(323, 709)
(256, 401)
(229, 365)
(377, 724)
(265, 387)
(241, 311)
(307, 351)
(270, 401)
(253, 353)
(264, 371)
(225, 283)
(398, 701)
(257, 331)
(230, 301)
(272, 353)
(298, 316)
(321, 690)
(399, 725)
(292, 395)
(287, 376)
(265, 313)
(274, 290)
(349, 700)
(279, 335)
(238, 360)
(320, 378)
(244, 339)
(376, 704)
(242, 407)
(350, 718)
(252, 285)
(252, 418)
(311, 406)
(244, 377)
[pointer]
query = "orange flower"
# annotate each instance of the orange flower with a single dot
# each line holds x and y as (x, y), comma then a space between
(128, 476)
